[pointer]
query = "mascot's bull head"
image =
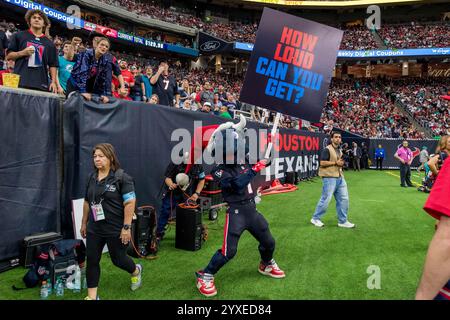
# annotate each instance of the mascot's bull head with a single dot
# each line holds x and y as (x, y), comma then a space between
(227, 143)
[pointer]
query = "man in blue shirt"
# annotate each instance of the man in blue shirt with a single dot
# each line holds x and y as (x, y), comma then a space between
(148, 86)
(379, 156)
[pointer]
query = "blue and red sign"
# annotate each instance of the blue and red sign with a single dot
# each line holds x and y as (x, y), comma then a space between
(291, 65)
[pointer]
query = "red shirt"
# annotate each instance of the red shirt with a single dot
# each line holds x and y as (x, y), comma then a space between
(128, 78)
(437, 204)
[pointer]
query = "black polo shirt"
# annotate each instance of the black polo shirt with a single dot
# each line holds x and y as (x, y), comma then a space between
(112, 203)
(196, 173)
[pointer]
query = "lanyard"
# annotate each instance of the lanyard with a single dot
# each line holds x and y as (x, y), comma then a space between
(94, 191)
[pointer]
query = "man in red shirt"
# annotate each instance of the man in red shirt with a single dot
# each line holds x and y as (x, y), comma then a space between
(10, 69)
(435, 282)
(128, 77)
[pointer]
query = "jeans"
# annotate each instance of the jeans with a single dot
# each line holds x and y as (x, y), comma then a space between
(168, 210)
(338, 188)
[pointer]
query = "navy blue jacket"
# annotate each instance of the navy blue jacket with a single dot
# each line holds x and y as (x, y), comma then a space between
(107, 64)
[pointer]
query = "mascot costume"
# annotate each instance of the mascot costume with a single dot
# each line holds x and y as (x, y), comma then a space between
(234, 174)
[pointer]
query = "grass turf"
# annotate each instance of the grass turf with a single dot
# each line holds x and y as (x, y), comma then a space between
(392, 233)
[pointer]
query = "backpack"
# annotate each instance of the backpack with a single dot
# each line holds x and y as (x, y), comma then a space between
(58, 259)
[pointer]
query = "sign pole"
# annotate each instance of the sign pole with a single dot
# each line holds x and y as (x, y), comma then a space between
(273, 132)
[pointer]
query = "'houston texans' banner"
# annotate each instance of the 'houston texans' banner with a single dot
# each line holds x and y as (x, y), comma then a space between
(291, 65)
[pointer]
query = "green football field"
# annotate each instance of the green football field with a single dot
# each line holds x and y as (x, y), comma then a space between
(392, 234)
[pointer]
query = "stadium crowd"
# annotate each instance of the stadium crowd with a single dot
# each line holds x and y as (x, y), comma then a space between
(359, 106)
(422, 97)
(362, 107)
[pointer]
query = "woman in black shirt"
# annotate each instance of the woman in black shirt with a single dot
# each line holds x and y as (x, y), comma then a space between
(107, 214)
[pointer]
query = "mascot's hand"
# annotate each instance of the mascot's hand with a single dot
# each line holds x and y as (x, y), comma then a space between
(260, 165)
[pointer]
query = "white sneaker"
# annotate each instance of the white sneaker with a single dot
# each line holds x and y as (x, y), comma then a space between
(347, 224)
(317, 223)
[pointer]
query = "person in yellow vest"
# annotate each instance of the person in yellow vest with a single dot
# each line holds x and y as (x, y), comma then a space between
(331, 164)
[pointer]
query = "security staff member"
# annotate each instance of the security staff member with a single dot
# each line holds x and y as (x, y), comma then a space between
(173, 194)
(107, 213)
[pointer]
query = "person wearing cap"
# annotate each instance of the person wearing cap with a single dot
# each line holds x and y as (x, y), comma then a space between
(173, 194)
(423, 158)
(206, 108)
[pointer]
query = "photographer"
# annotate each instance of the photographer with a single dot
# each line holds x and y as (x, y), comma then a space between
(174, 194)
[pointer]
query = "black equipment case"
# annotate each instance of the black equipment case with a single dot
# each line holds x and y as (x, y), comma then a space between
(30, 243)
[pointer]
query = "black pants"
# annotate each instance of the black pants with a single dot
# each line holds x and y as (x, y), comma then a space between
(117, 251)
(380, 163)
(405, 174)
(240, 218)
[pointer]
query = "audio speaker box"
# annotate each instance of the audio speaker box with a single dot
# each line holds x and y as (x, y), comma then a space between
(189, 229)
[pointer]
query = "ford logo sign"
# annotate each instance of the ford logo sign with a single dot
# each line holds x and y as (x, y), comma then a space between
(210, 45)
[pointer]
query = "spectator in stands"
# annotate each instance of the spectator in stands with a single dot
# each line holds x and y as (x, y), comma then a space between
(187, 105)
(207, 95)
(137, 91)
(76, 42)
(154, 99)
(108, 210)
(127, 75)
(185, 92)
(379, 156)
(3, 47)
(91, 74)
(147, 85)
(58, 44)
(216, 102)
(10, 30)
(222, 94)
(9, 69)
(223, 112)
(34, 54)
(206, 108)
(165, 86)
(356, 156)
(66, 63)
(405, 156)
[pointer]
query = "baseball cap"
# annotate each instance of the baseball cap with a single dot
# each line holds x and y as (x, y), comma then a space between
(207, 104)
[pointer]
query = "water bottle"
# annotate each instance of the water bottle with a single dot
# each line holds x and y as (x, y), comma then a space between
(83, 278)
(59, 288)
(77, 285)
(49, 287)
(44, 290)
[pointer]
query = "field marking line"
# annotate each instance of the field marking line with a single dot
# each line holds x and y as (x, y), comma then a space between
(396, 175)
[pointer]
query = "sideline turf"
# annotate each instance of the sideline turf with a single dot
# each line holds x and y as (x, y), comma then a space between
(392, 233)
